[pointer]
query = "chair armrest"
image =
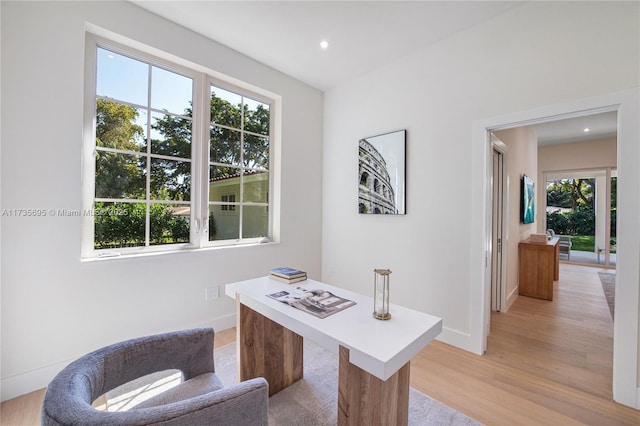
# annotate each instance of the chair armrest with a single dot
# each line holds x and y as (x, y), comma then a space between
(242, 404)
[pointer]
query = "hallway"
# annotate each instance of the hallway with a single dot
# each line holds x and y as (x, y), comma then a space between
(546, 363)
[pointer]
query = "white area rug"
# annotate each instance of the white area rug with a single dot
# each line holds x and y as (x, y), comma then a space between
(313, 401)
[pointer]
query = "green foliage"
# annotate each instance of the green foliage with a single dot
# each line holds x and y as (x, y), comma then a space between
(123, 225)
(225, 143)
(212, 227)
(583, 222)
(558, 199)
(558, 222)
(577, 222)
(583, 243)
(571, 193)
(118, 175)
(115, 126)
(614, 220)
(171, 179)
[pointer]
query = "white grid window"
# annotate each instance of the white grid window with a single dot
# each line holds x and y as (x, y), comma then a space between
(174, 158)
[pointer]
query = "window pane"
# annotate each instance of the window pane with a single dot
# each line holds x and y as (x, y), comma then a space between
(171, 92)
(171, 135)
(119, 175)
(223, 181)
(223, 225)
(170, 180)
(255, 187)
(255, 221)
(169, 224)
(142, 122)
(225, 107)
(256, 118)
(119, 126)
(122, 78)
(119, 225)
(256, 151)
(225, 146)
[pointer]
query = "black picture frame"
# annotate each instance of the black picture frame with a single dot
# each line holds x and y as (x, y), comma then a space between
(382, 174)
(527, 203)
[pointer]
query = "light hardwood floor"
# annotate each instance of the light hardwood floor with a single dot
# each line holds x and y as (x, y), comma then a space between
(547, 363)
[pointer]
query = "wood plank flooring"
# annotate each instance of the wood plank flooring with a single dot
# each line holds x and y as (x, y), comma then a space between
(547, 363)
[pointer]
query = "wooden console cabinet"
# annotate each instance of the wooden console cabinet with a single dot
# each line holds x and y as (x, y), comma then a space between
(539, 268)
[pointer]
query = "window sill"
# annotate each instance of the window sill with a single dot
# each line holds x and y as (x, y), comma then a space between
(146, 254)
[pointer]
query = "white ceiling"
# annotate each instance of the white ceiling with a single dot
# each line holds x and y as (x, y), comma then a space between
(363, 35)
(601, 126)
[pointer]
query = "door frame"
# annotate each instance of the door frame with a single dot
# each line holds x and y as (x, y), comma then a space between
(625, 344)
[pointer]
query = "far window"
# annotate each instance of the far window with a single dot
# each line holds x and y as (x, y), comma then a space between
(228, 199)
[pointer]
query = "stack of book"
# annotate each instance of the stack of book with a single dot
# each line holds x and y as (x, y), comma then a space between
(288, 275)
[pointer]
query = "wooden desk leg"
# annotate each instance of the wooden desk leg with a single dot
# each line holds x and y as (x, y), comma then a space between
(364, 399)
(267, 349)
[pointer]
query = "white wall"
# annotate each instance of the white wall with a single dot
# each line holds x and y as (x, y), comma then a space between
(578, 156)
(539, 54)
(55, 308)
(522, 158)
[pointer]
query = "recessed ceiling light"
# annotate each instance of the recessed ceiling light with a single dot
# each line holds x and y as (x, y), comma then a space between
(324, 44)
(586, 130)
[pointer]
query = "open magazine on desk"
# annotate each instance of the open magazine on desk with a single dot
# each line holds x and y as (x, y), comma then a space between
(319, 303)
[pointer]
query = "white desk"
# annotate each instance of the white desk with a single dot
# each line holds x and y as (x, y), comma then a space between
(270, 345)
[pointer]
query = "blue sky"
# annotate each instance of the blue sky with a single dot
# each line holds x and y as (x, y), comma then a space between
(122, 78)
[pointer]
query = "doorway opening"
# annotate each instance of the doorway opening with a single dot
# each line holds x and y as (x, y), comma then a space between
(576, 180)
(571, 204)
(626, 337)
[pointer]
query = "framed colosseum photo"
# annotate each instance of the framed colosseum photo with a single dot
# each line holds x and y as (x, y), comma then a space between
(381, 174)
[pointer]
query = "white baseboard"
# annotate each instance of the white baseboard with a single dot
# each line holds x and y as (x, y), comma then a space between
(456, 338)
(39, 378)
(219, 324)
(30, 381)
(511, 298)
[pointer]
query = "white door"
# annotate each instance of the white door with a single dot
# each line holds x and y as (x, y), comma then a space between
(498, 286)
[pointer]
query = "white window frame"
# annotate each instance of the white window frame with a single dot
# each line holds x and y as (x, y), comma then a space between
(203, 78)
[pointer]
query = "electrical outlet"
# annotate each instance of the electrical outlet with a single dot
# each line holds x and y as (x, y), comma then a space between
(211, 293)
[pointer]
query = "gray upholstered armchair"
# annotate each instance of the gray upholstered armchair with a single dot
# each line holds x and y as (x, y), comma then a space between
(199, 400)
